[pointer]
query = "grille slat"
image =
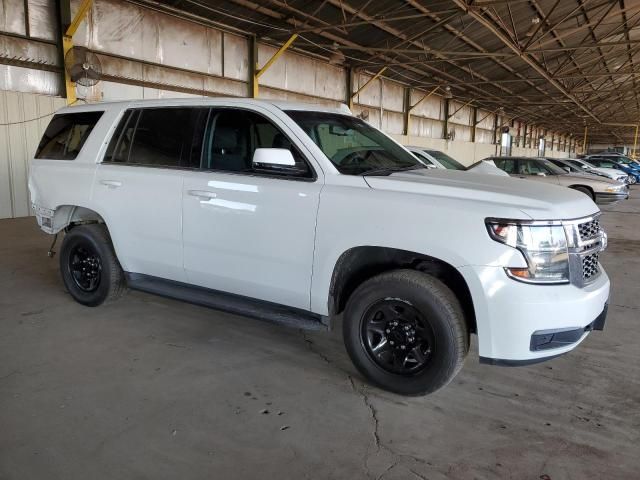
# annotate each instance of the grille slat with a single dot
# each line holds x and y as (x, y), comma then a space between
(590, 266)
(589, 230)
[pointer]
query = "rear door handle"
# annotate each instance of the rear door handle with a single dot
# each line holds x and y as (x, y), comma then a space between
(202, 194)
(111, 183)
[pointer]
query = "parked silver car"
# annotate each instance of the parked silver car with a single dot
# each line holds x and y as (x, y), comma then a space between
(437, 159)
(572, 165)
(602, 190)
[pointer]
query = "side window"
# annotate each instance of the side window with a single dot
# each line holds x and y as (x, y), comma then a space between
(159, 137)
(233, 136)
(508, 165)
(533, 168)
(66, 134)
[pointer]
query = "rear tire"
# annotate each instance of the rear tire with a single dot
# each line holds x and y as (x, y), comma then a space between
(405, 332)
(89, 266)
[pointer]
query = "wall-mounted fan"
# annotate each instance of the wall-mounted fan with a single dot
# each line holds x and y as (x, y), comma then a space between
(83, 66)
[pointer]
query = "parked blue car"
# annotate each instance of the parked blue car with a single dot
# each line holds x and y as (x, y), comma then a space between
(620, 162)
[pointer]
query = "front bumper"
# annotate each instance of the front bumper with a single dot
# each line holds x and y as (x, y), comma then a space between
(510, 313)
(607, 198)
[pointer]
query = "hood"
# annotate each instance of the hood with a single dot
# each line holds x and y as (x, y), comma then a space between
(536, 200)
(487, 167)
(589, 178)
(609, 171)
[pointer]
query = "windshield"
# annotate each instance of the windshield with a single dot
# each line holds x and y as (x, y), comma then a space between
(579, 164)
(446, 160)
(353, 146)
(601, 163)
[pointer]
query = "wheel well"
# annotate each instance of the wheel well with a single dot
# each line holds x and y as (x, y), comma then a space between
(68, 216)
(359, 264)
(586, 187)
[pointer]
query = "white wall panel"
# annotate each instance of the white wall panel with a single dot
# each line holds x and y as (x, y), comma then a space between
(23, 118)
(12, 16)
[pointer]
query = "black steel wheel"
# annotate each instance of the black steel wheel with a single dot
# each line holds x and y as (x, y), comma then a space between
(89, 266)
(405, 332)
(85, 267)
(397, 337)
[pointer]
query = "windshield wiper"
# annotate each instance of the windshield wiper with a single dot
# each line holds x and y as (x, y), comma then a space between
(389, 170)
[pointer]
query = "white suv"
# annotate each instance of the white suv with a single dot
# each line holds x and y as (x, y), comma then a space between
(298, 213)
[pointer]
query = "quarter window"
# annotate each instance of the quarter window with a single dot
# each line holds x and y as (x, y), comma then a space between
(66, 135)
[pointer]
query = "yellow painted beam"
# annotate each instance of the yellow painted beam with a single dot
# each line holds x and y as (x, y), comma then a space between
(584, 141)
(70, 87)
(363, 87)
(635, 143)
(77, 20)
(67, 44)
(423, 98)
(259, 71)
(276, 55)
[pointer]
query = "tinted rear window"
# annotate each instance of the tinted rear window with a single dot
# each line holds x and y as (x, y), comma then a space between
(66, 135)
(159, 137)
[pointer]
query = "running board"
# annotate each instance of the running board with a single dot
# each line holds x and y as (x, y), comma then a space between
(228, 302)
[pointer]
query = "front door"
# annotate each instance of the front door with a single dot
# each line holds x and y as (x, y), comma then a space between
(247, 231)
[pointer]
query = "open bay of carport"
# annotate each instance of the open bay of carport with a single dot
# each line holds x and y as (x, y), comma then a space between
(153, 388)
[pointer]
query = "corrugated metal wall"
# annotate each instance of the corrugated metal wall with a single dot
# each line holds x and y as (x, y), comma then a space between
(23, 118)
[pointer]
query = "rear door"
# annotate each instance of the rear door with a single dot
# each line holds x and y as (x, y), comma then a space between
(246, 231)
(139, 186)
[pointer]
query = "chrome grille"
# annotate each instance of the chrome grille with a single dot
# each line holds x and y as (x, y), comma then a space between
(590, 266)
(586, 241)
(589, 230)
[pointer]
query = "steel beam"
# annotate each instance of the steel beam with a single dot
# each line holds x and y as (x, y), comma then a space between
(70, 26)
(527, 58)
(364, 87)
(258, 72)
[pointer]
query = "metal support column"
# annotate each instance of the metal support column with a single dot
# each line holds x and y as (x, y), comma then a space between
(69, 28)
(445, 129)
(406, 110)
(475, 124)
(258, 72)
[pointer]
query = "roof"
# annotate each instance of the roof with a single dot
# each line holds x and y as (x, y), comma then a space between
(205, 101)
(559, 64)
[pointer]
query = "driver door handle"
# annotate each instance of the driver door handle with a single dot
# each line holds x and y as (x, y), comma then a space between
(202, 194)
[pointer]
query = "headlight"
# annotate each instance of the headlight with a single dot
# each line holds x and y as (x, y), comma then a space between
(614, 189)
(544, 247)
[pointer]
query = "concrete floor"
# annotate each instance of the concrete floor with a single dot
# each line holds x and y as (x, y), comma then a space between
(154, 388)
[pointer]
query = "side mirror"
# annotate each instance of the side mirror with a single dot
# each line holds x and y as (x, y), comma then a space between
(276, 161)
(566, 169)
(278, 157)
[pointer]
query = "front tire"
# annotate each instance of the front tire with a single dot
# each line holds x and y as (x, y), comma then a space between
(405, 332)
(89, 266)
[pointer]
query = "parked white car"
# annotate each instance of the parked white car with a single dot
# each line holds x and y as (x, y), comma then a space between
(298, 213)
(438, 159)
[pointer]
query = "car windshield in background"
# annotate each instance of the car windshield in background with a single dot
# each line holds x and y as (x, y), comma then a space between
(353, 146)
(446, 160)
(550, 167)
(602, 163)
